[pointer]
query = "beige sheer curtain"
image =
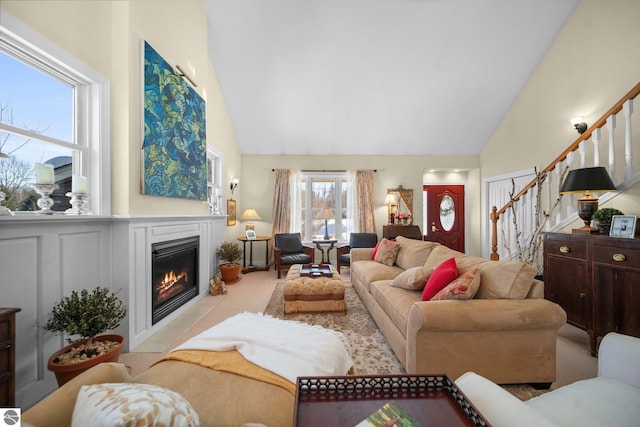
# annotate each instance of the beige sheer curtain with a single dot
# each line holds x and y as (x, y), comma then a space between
(366, 199)
(281, 214)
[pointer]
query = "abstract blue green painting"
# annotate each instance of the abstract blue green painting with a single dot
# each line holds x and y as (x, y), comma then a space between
(174, 146)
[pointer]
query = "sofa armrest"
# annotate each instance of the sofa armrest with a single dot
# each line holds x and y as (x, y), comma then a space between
(485, 314)
(56, 410)
(499, 407)
(619, 358)
(361, 254)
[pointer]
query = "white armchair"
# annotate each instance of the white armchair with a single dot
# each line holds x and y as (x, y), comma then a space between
(611, 399)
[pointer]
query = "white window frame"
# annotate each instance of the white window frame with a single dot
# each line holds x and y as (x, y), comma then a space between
(308, 177)
(91, 106)
(214, 183)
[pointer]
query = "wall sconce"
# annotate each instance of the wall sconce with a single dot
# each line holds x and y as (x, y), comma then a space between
(233, 184)
(587, 180)
(579, 124)
(184, 74)
(250, 215)
(390, 201)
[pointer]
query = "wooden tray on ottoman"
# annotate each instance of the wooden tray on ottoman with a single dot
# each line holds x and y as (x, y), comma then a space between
(316, 270)
(433, 400)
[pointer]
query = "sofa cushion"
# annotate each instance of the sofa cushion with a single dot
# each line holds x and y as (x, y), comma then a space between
(464, 287)
(444, 274)
(412, 279)
(505, 279)
(413, 253)
(119, 404)
(395, 302)
(366, 272)
(387, 252)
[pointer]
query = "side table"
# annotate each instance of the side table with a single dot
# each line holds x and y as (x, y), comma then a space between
(325, 252)
(250, 268)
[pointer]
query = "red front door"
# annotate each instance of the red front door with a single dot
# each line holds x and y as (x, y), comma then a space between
(445, 215)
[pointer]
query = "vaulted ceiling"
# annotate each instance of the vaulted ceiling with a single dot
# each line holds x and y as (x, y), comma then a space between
(375, 76)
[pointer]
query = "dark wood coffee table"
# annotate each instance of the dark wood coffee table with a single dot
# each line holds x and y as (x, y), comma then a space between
(433, 400)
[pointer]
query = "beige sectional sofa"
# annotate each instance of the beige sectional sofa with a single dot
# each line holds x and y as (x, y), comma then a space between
(506, 333)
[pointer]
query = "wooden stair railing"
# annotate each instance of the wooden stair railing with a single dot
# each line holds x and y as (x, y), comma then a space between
(626, 106)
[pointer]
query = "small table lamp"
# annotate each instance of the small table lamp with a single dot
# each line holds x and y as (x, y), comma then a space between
(587, 180)
(325, 214)
(249, 215)
(390, 201)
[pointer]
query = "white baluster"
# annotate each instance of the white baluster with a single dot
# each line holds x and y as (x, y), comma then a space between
(595, 137)
(582, 150)
(611, 126)
(571, 206)
(627, 111)
(559, 169)
(548, 181)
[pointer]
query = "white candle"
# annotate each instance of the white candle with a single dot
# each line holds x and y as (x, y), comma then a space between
(44, 174)
(78, 184)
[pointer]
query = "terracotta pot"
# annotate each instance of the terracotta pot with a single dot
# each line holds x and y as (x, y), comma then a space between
(65, 373)
(230, 273)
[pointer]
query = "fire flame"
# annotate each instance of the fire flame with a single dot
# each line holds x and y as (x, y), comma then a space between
(170, 279)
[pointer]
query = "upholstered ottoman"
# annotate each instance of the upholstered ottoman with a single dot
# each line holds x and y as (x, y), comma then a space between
(305, 294)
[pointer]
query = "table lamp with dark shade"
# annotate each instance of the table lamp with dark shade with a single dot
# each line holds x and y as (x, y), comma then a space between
(587, 181)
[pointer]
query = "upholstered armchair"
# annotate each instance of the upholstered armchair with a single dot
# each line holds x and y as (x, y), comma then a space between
(288, 250)
(356, 240)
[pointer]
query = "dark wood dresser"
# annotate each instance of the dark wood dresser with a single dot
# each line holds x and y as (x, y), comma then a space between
(7, 356)
(596, 280)
(409, 231)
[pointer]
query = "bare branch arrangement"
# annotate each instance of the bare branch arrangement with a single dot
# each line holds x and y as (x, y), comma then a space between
(527, 249)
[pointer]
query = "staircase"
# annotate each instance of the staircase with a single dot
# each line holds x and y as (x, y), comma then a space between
(538, 206)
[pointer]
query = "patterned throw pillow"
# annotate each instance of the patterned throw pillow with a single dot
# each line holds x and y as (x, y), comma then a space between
(464, 287)
(412, 279)
(124, 404)
(444, 274)
(387, 252)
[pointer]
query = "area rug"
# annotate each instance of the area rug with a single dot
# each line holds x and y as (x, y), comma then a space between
(371, 353)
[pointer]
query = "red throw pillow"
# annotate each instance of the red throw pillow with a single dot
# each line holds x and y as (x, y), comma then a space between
(444, 274)
(375, 250)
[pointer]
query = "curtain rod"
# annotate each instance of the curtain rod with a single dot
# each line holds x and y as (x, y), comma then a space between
(323, 170)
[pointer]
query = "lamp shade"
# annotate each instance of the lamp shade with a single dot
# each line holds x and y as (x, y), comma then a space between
(325, 213)
(588, 180)
(250, 215)
(390, 200)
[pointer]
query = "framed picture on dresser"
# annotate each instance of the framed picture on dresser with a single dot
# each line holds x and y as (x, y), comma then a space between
(623, 226)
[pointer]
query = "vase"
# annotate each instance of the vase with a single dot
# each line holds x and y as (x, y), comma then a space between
(66, 372)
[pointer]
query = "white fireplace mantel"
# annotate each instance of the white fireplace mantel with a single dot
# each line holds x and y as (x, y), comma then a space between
(45, 257)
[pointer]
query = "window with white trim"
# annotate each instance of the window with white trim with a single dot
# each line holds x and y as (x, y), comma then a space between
(214, 181)
(322, 193)
(53, 110)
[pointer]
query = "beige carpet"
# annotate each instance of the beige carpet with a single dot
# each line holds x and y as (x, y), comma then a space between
(253, 292)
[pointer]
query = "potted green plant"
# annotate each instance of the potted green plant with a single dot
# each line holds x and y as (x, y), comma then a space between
(84, 317)
(230, 253)
(603, 217)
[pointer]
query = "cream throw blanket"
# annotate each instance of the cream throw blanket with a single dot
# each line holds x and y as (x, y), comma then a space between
(287, 348)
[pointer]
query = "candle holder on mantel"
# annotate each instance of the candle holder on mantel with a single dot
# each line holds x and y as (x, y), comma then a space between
(45, 202)
(79, 204)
